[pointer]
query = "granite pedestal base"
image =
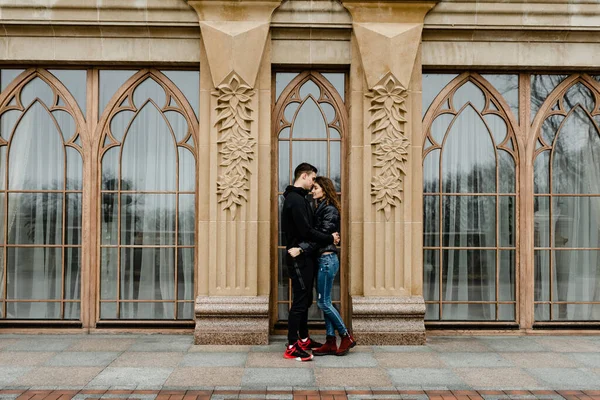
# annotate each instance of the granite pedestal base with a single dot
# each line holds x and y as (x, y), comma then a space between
(237, 320)
(388, 320)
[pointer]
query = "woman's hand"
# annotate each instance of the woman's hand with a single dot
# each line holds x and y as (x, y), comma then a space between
(295, 251)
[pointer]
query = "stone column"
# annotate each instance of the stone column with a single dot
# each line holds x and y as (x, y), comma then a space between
(386, 172)
(234, 156)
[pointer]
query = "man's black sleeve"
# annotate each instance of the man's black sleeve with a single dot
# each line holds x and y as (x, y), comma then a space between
(305, 229)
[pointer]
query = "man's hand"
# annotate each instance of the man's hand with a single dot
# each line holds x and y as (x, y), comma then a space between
(336, 238)
(295, 251)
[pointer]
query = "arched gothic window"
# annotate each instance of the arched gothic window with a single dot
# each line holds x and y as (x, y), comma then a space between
(147, 202)
(469, 184)
(41, 183)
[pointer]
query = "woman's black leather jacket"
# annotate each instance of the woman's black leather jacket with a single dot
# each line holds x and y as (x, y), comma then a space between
(327, 220)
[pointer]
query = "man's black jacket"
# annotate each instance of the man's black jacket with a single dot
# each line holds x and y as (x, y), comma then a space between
(297, 220)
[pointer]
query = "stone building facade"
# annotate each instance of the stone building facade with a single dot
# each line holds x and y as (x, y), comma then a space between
(145, 144)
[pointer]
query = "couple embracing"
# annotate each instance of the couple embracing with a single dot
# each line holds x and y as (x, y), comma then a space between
(311, 237)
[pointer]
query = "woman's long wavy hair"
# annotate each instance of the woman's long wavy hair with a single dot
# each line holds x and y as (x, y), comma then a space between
(329, 192)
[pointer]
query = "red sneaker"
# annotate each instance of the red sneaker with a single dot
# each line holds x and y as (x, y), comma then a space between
(308, 344)
(296, 353)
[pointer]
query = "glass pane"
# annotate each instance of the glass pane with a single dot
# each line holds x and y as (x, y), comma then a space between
(578, 95)
(187, 170)
(506, 218)
(576, 221)
(73, 219)
(108, 273)
(7, 76)
(284, 133)
(431, 172)
(147, 310)
(76, 83)
(37, 89)
(2, 218)
(281, 241)
(72, 310)
(506, 171)
(576, 312)
(439, 127)
(550, 126)
(541, 173)
(119, 123)
(541, 275)
(7, 123)
(433, 312)
(36, 159)
(508, 87)
(147, 273)
(283, 282)
(577, 275)
(329, 112)
(310, 122)
(506, 312)
(468, 312)
(72, 273)
(285, 176)
(338, 81)
(541, 87)
(34, 273)
(506, 275)
(110, 170)
(469, 93)
(312, 152)
(432, 86)
(282, 79)
(109, 216)
(2, 294)
(335, 173)
(110, 82)
(469, 221)
(35, 218)
(74, 169)
(148, 159)
(542, 312)
(149, 90)
(314, 314)
(187, 220)
(185, 311)
(33, 310)
(189, 84)
(431, 221)
(541, 207)
(108, 310)
(309, 88)
(497, 127)
(469, 157)
(148, 219)
(66, 123)
(283, 311)
(575, 166)
(290, 111)
(431, 275)
(178, 124)
(185, 274)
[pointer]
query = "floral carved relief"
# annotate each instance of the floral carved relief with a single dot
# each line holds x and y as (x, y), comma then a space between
(235, 141)
(389, 142)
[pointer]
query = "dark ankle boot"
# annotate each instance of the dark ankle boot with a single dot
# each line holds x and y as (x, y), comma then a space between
(346, 344)
(329, 348)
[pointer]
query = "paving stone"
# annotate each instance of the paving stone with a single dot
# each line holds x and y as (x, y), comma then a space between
(274, 360)
(534, 360)
(512, 344)
(271, 347)
(148, 359)
(24, 359)
(115, 376)
(345, 377)
(423, 377)
(351, 360)
(43, 344)
(219, 349)
(58, 376)
(498, 378)
(568, 344)
(566, 378)
(156, 344)
(8, 342)
(8, 375)
(401, 349)
(461, 344)
(590, 360)
(103, 344)
(275, 376)
(404, 360)
(475, 360)
(214, 360)
(198, 376)
(82, 359)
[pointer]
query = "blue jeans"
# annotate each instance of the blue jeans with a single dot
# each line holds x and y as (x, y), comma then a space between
(329, 265)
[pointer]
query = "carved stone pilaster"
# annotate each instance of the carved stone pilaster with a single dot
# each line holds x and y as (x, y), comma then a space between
(389, 142)
(235, 141)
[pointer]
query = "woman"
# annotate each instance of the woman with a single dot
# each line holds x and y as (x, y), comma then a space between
(327, 220)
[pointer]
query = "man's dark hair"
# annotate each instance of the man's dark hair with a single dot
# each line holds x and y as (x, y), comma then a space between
(303, 168)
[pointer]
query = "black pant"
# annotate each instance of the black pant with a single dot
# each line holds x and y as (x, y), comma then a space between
(302, 273)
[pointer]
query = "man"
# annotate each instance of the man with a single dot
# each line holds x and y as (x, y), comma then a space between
(297, 224)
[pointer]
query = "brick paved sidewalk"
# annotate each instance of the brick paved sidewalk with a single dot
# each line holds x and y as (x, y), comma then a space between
(299, 394)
